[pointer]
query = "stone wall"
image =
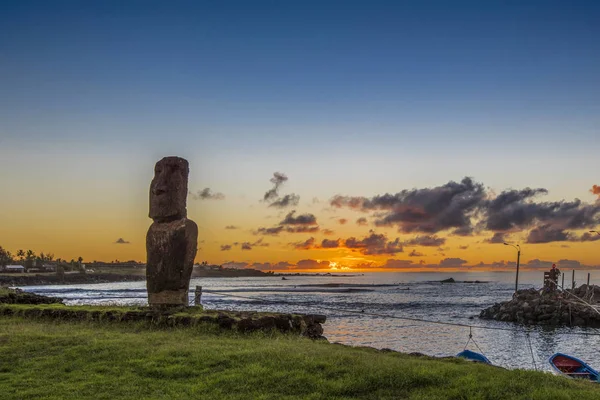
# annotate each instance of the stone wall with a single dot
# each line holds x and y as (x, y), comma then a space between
(305, 325)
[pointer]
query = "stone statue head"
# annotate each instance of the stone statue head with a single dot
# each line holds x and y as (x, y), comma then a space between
(169, 189)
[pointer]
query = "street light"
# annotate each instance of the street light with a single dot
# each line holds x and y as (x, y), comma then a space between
(518, 260)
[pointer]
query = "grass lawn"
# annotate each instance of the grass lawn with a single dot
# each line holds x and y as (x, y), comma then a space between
(41, 359)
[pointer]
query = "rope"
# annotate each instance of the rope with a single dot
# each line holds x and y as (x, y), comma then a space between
(478, 348)
(362, 312)
(470, 337)
(531, 350)
(579, 298)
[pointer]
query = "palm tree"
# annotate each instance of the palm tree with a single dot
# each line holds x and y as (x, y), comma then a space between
(5, 256)
(29, 257)
(20, 254)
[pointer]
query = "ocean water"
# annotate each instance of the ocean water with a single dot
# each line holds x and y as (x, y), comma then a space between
(398, 294)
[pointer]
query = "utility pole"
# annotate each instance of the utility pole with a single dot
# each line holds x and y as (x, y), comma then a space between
(518, 262)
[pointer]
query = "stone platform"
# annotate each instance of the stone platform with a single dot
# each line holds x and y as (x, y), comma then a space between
(304, 325)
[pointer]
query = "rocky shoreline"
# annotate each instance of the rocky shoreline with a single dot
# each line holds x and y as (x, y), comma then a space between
(67, 279)
(533, 307)
(17, 296)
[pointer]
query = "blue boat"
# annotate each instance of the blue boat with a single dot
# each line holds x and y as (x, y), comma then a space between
(473, 356)
(572, 367)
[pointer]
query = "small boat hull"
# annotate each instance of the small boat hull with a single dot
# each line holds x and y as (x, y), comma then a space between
(572, 367)
(473, 356)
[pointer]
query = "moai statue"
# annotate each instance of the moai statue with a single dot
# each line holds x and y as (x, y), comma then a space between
(171, 242)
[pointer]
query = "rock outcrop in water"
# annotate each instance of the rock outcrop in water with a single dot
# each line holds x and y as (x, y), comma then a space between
(172, 240)
(531, 306)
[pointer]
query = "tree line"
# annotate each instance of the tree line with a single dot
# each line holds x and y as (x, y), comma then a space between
(29, 259)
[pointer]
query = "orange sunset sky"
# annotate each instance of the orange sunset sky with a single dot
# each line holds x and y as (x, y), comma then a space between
(455, 225)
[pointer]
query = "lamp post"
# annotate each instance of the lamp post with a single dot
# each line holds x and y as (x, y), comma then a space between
(518, 260)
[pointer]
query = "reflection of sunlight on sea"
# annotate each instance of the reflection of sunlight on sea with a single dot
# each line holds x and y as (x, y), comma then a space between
(398, 294)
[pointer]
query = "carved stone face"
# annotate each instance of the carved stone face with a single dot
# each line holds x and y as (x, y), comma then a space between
(168, 190)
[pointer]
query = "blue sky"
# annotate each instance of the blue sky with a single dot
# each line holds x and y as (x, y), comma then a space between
(358, 98)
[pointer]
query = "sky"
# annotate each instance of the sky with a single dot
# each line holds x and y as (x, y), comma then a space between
(479, 120)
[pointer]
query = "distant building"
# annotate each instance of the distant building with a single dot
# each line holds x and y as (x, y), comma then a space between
(49, 267)
(207, 267)
(14, 268)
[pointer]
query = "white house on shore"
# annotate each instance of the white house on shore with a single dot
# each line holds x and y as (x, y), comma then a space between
(14, 268)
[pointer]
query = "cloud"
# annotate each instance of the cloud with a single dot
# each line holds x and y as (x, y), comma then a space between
(311, 243)
(272, 195)
(463, 231)
(391, 263)
(374, 244)
(342, 221)
(415, 253)
(512, 208)
(231, 227)
(498, 237)
(428, 210)
(362, 221)
(121, 241)
(452, 262)
(463, 247)
(274, 231)
(206, 194)
(306, 245)
(588, 237)
(277, 180)
(428, 241)
(302, 229)
(515, 211)
(595, 190)
(547, 234)
(330, 243)
(327, 232)
(312, 264)
(282, 265)
(561, 264)
(456, 206)
(302, 219)
(260, 243)
(235, 265)
(303, 223)
(536, 263)
(245, 245)
(289, 200)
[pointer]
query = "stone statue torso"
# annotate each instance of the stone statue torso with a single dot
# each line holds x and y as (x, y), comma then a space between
(171, 242)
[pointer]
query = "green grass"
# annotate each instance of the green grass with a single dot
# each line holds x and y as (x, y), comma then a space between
(41, 359)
